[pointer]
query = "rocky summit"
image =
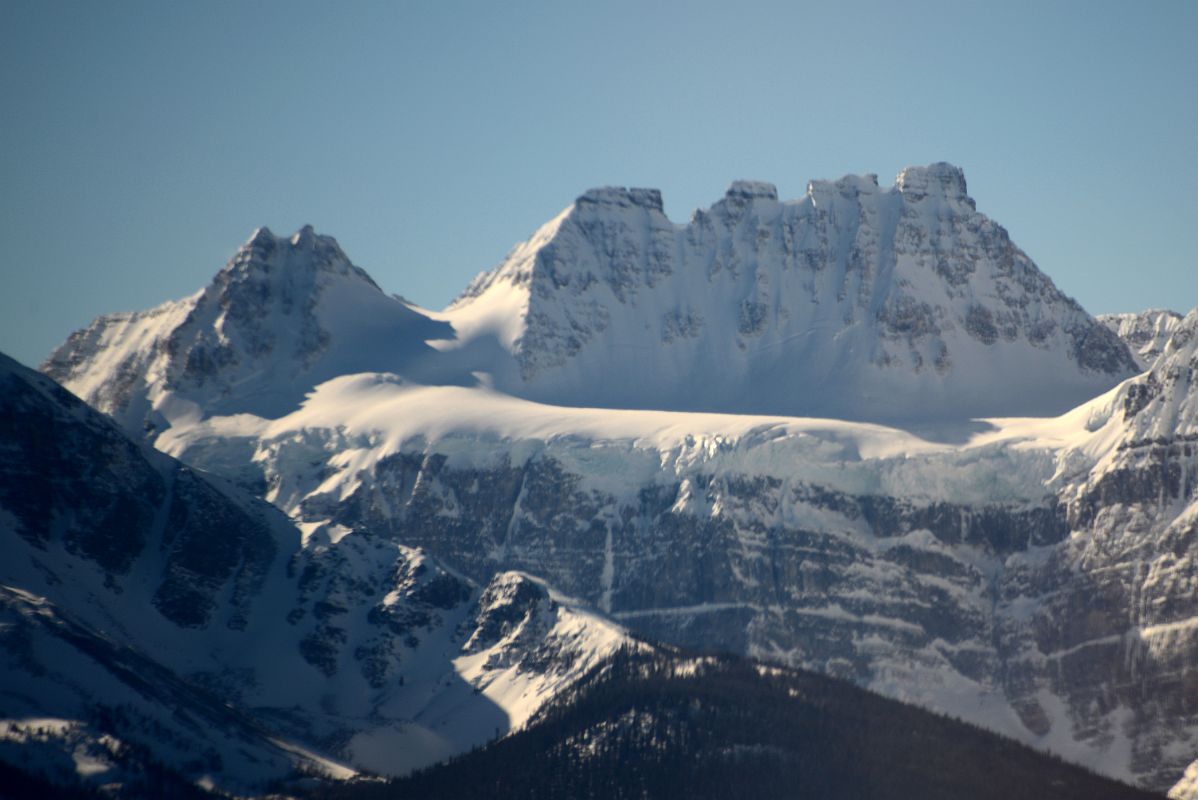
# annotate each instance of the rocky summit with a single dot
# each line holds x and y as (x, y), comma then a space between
(854, 301)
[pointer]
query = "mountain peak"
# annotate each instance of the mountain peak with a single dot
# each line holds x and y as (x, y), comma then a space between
(620, 197)
(261, 236)
(847, 185)
(304, 237)
(751, 190)
(304, 250)
(284, 314)
(940, 179)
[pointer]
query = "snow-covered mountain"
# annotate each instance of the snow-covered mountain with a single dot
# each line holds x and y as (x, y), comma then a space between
(1119, 602)
(1145, 333)
(147, 608)
(1008, 571)
(854, 302)
(284, 315)
(568, 418)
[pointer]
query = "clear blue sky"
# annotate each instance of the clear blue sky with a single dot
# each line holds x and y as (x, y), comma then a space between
(140, 143)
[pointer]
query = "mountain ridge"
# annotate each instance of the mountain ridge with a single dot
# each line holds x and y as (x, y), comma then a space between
(669, 724)
(836, 304)
(850, 291)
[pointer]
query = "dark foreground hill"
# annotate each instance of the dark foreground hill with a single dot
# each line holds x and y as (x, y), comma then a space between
(662, 725)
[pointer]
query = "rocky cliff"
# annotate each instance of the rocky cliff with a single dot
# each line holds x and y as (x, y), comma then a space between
(146, 608)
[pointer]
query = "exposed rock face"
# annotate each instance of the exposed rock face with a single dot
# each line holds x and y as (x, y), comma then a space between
(756, 564)
(1123, 618)
(1038, 579)
(1145, 333)
(145, 607)
(70, 480)
(855, 301)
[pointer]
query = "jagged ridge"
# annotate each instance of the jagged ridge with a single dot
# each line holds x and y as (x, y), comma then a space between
(853, 301)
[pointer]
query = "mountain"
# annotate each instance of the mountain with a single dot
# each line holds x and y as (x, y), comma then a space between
(284, 315)
(854, 302)
(664, 725)
(1143, 500)
(1027, 574)
(1119, 604)
(999, 571)
(152, 614)
(1145, 333)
